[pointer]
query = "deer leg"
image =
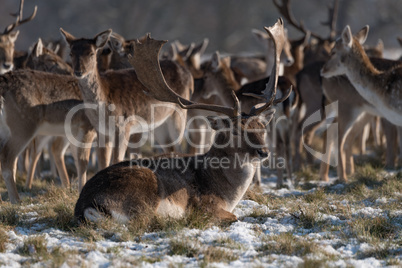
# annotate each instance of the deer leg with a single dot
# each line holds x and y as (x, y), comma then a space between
(134, 149)
(8, 159)
(400, 146)
(81, 157)
(355, 131)
(58, 148)
(104, 151)
(35, 149)
(390, 132)
(324, 165)
(121, 144)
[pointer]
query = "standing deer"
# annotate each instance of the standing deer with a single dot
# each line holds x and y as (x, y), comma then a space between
(382, 89)
(130, 189)
(8, 38)
(127, 108)
(37, 103)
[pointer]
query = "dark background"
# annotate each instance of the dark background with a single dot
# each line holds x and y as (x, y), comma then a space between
(227, 23)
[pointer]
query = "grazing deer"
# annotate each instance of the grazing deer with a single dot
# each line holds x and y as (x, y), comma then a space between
(8, 38)
(127, 108)
(129, 189)
(382, 89)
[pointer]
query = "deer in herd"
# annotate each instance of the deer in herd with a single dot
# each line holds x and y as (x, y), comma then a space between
(37, 103)
(129, 190)
(45, 60)
(251, 68)
(8, 38)
(123, 106)
(379, 88)
(354, 112)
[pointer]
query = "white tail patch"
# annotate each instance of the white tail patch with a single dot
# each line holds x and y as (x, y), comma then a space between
(93, 215)
(167, 208)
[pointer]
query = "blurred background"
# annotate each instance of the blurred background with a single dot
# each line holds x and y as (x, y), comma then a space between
(227, 23)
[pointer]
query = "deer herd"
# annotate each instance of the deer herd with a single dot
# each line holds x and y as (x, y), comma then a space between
(110, 95)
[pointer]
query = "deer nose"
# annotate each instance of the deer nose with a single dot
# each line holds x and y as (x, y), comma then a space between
(289, 62)
(78, 73)
(7, 65)
(262, 154)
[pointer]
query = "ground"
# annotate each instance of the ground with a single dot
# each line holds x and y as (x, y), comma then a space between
(354, 224)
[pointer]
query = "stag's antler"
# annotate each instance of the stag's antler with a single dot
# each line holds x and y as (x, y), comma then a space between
(145, 61)
(277, 34)
(286, 11)
(19, 19)
(332, 19)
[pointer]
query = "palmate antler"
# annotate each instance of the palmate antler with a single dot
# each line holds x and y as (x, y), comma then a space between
(19, 19)
(145, 60)
(277, 34)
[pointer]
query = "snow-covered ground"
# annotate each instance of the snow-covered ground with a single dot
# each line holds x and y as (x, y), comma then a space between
(269, 234)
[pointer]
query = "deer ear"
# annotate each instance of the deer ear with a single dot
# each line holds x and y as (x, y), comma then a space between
(67, 36)
(115, 44)
(38, 49)
(102, 38)
(347, 38)
(13, 36)
(216, 62)
(361, 36)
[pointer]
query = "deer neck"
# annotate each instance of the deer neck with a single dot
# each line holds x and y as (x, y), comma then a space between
(232, 178)
(91, 88)
(363, 75)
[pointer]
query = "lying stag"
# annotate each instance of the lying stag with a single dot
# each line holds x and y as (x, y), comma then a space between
(177, 184)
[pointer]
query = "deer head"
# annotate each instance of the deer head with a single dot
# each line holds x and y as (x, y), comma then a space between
(145, 60)
(343, 51)
(84, 51)
(44, 59)
(8, 38)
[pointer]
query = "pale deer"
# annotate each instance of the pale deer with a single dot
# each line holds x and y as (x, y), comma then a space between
(8, 38)
(353, 114)
(130, 190)
(122, 100)
(382, 89)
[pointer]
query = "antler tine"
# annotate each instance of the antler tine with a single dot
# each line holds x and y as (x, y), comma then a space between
(19, 20)
(145, 61)
(332, 19)
(286, 12)
(277, 34)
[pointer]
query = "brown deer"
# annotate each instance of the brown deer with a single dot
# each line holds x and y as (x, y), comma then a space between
(37, 103)
(44, 59)
(131, 189)
(8, 38)
(121, 99)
